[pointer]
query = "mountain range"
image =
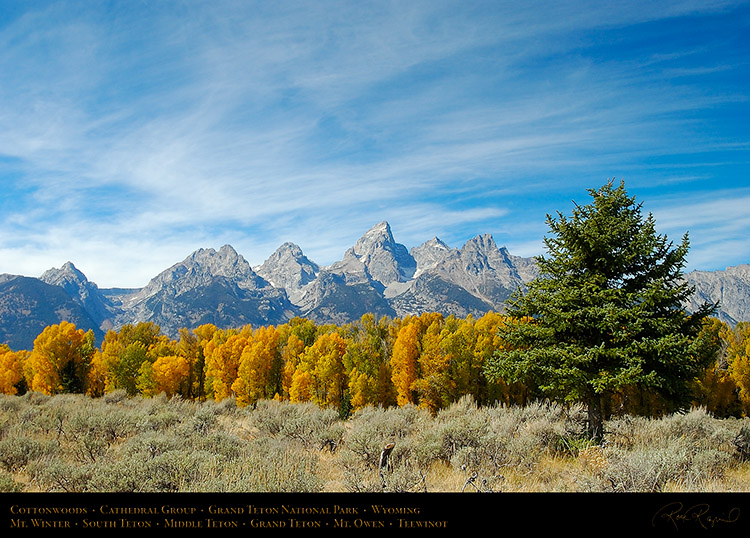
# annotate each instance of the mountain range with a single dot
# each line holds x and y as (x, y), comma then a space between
(377, 275)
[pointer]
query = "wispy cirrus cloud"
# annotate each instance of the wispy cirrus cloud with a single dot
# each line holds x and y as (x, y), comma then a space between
(133, 134)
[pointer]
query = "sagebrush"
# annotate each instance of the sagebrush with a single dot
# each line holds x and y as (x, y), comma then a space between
(75, 443)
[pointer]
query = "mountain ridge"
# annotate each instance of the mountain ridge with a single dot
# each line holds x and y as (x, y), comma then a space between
(376, 275)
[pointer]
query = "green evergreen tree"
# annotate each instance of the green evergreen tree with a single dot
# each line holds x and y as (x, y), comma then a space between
(607, 311)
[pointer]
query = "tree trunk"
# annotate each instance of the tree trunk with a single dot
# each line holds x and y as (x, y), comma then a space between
(595, 428)
(384, 463)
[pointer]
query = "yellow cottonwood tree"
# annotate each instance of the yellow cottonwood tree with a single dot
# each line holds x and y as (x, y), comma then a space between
(11, 369)
(324, 362)
(404, 363)
(60, 359)
(362, 390)
(224, 360)
(290, 356)
(96, 383)
(739, 362)
(464, 372)
(434, 384)
(367, 363)
(170, 374)
(488, 342)
(301, 388)
(101, 377)
(260, 358)
(193, 346)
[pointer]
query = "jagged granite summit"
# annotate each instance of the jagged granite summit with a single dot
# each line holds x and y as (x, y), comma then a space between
(290, 269)
(377, 275)
(474, 279)
(87, 294)
(209, 286)
(384, 260)
(381, 276)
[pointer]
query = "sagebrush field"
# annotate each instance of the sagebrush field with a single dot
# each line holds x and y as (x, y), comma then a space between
(75, 443)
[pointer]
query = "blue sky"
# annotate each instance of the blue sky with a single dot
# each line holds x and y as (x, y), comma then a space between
(135, 132)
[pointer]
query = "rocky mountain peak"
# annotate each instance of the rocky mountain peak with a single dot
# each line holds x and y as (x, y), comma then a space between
(730, 287)
(429, 253)
(376, 275)
(479, 253)
(385, 260)
(208, 286)
(225, 262)
(80, 289)
(379, 236)
(201, 268)
(288, 268)
(484, 243)
(68, 273)
(73, 281)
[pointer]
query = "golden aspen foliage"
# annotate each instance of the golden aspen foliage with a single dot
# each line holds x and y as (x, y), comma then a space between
(715, 390)
(738, 358)
(96, 384)
(406, 351)
(60, 359)
(301, 389)
(488, 342)
(11, 369)
(193, 347)
(323, 361)
(128, 369)
(144, 381)
(146, 332)
(188, 347)
(169, 374)
(223, 360)
(718, 393)
(433, 385)
(123, 352)
(429, 360)
(162, 346)
(103, 365)
(362, 390)
(304, 329)
(260, 360)
(205, 332)
(290, 356)
(457, 341)
(366, 362)
(487, 338)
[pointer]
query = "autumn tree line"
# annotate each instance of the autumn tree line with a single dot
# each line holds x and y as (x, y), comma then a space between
(430, 360)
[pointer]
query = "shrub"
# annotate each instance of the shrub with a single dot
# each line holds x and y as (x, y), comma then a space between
(203, 421)
(53, 474)
(8, 484)
(304, 422)
(742, 443)
(129, 475)
(74, 443)
(271, 465)
(115, 396)
(371, 428)
(646, 469)
(17, 451)
(151, 444)
(173, 471)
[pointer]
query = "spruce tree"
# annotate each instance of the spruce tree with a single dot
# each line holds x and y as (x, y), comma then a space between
(607, 311)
